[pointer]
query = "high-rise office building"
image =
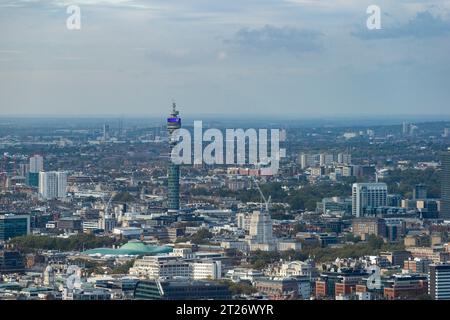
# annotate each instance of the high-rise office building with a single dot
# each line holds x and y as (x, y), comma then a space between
(173, 123)
(48, 185)
(62, 184)
(13, 226)
(405, 128)
(325, 159)
(105, 132)
(35, 166)
(52, 185)
(261, 227)
(439, 281)
(445, 186)
(260, 233)
(33, 179)
(446, 132)
(36, 163)
(306, 160)
(366, 196)
(344, 158)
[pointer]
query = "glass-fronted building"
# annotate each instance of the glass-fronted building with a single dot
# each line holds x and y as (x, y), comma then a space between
(11, 262)
(181, 290)
(12, 226)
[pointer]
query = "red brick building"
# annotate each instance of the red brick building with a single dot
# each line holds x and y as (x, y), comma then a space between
(406, 287)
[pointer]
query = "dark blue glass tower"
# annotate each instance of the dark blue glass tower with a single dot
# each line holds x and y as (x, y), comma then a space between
(173, 172)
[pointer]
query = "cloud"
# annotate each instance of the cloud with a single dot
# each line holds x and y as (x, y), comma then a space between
(271, 38)
(327, 4)
(130, 4)
(423, 25)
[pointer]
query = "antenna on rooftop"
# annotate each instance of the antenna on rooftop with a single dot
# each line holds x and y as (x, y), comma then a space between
(174, 107)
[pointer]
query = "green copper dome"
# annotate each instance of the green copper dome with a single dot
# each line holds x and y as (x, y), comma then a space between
(132, 248)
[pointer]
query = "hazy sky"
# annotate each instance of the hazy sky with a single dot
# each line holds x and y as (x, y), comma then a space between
(303, 57)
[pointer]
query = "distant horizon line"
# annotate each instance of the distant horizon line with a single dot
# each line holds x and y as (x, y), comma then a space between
(243, 116)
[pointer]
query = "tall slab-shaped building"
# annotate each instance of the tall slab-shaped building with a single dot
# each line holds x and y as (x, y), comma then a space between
(445, 189)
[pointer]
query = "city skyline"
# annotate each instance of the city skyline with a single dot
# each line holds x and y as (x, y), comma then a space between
(347, 204)
(206, 151)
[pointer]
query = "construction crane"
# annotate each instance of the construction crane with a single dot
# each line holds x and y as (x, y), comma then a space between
(109, 203)
(266, 201)
(106, 205)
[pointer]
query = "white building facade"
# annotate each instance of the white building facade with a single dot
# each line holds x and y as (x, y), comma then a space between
(368, 195)
(52, 185)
